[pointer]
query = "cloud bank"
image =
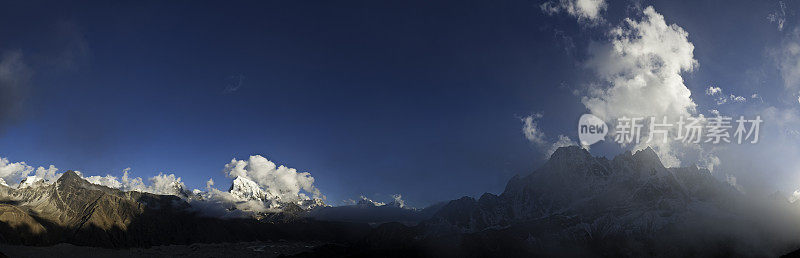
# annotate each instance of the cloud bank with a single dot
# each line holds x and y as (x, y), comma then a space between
(641, 73)
(12, 173)
(642, 66)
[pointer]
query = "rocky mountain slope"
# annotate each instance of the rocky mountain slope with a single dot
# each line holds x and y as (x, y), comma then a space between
(633, 187)
(628, 206)
(72, 210)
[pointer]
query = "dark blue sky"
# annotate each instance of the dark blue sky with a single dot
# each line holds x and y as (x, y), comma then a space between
(422, 98)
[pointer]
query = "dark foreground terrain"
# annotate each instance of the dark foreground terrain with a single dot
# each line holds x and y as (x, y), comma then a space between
(242, 249)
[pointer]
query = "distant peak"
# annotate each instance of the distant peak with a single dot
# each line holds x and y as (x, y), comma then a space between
(69, 175)
(569, 152)
(366, 202)
(648, 150)
(242, 180)
(647, 154)
(488, 198)
(72, 178)
(465, 199)
(30, 181)
(246, 189)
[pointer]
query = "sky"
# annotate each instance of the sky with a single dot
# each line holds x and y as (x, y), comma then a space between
(433, 100)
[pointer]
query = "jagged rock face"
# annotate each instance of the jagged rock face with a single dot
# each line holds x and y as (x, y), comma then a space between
(72, 201)
(82, 202)
(87, 211)
(631, 188)
(80, 210)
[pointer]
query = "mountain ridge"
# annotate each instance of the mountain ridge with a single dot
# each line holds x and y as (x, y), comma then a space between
(73, 210)
(572, 180)
(630, 205)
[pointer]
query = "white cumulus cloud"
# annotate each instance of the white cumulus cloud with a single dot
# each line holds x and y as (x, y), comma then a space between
(643, 65)
(108, 180)
(641, 69)
(164, 184)
(14, 172)
(167, 184)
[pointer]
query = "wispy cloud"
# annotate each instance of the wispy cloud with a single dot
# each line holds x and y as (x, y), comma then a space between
(738, 99)
(71, 48)
(534, 134)
(233, 84)
(14, 85)
(588, 12)
(787, 59)
(711, 91)
(778, 16)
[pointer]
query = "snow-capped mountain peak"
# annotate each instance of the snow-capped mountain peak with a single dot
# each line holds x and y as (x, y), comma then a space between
(30, 181)
(247, 189)
(366, 202)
